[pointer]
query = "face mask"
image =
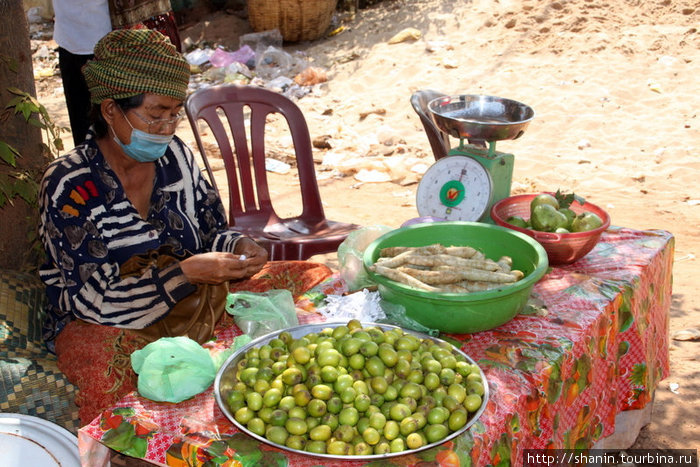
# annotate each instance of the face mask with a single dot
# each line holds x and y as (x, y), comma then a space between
(144, 147)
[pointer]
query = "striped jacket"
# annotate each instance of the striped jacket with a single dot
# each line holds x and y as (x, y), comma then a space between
(89, 228)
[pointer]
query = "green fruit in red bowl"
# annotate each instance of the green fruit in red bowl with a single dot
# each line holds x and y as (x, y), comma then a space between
(570, 215)
(542, 199)
(586, 221)
(562, 248)
(546, 218)
(518, 222)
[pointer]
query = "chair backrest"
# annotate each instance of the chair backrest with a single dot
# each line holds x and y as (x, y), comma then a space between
(249, 198)
(439, 140)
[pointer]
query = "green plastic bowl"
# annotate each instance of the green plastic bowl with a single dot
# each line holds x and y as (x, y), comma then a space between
(454, 312)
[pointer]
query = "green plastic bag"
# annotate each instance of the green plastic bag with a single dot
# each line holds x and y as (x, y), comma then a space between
(173, 369)
(257, 314)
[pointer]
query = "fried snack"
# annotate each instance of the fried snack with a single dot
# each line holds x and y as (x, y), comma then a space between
(505, 263)
(402, 277)
(434, 249)
(451, 269)
(445, 276)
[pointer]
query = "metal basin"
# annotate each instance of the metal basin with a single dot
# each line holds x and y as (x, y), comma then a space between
(226, 379)
(477, 117)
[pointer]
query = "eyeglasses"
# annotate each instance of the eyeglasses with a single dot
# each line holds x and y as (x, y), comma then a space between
(160, 124)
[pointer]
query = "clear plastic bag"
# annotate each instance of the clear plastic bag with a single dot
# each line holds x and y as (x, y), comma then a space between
(259, 41)
(396, 315)
(273, 62)
(368, 306)
(350, 254)
(363, 306)
(257, 314)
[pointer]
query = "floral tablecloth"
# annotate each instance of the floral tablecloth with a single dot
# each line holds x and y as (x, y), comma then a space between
(557, 378)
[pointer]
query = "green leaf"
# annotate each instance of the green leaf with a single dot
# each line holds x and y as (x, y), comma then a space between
(138, 448)
(36, 123)
(565, 199)
(638, 376)
(25, 190)
(28, 105)
(17, 91)
(58, 143)
(622, 349)
(273, 459)
(5, 191)
(216, 448)
(251, 459)
(8, 154)
(120, 438)
(27, 113)
(13, 102)
(243, 444)
(626, 320)
(554, 390)
(124, 411)
(35, 102)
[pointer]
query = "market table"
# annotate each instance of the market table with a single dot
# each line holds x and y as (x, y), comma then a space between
(558, 375)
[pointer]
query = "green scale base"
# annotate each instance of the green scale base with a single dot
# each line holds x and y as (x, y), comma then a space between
(498, 164)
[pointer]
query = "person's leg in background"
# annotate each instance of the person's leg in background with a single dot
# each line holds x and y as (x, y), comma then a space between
(76, 92)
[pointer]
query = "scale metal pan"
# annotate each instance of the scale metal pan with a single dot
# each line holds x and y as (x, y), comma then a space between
(478, 117)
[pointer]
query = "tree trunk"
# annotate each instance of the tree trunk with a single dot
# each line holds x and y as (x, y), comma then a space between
(19, 220)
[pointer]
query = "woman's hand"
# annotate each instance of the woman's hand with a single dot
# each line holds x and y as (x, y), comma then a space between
(256, 256)
(216, 267)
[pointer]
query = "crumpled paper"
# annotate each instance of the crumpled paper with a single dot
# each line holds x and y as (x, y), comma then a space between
(173, 369)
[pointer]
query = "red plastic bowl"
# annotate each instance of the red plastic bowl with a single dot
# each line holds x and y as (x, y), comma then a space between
(563, 248)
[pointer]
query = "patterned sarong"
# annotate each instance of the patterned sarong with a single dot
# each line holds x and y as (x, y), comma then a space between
(96, 359)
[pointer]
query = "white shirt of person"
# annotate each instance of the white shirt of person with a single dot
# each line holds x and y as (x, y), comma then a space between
(79, 24)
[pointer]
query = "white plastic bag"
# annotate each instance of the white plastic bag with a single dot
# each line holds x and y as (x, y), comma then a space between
(351, 252)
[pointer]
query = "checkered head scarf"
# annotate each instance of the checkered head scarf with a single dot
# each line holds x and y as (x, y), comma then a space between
(129, 62)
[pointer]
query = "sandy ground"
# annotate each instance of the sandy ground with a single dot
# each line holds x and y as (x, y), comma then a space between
(615, 90)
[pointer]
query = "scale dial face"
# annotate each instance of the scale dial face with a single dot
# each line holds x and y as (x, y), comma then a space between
(455, 188)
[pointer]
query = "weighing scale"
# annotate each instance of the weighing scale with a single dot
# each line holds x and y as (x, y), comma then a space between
(473, 176)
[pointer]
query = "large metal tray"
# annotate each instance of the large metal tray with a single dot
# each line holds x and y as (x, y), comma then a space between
(481, 118)
(225, 378)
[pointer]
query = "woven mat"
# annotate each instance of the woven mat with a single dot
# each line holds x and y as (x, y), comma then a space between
(30, 382)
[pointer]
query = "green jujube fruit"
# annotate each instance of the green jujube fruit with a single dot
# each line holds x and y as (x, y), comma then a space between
(544, 199)
(570, 215)
(352, 391)
(546, 218)
(586, 221)
(517, 221)
(320, 433)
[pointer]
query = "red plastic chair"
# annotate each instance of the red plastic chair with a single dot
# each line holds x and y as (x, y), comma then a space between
(439, 140)
(250, 207)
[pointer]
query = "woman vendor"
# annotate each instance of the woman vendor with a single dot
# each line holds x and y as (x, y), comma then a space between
(114, 205)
